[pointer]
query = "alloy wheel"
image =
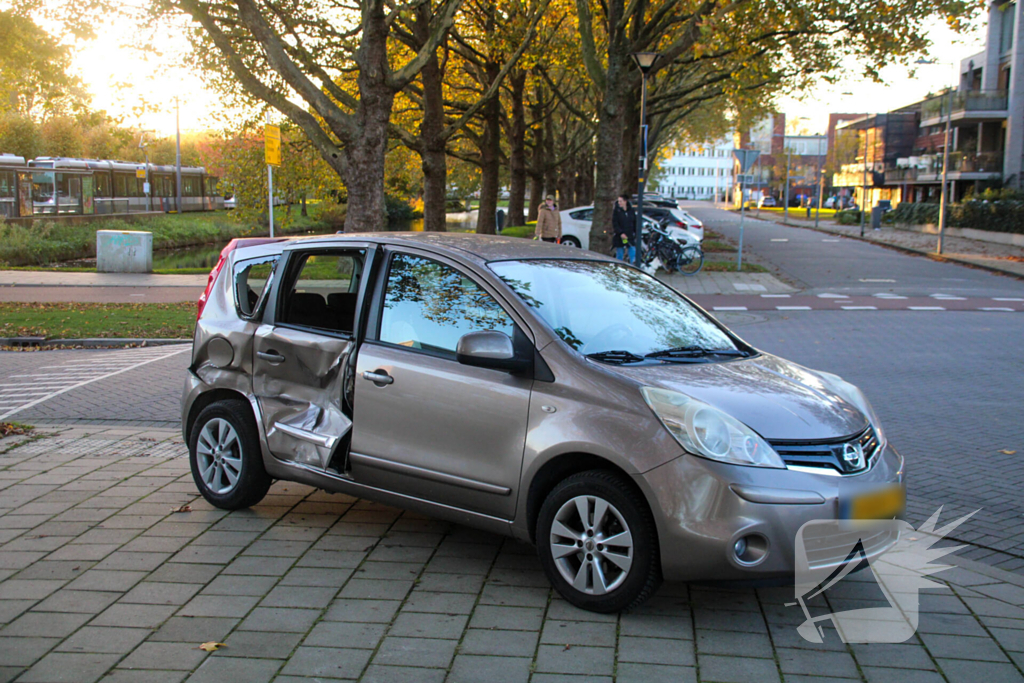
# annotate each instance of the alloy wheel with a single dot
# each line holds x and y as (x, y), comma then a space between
(591, 545)
(219, 456)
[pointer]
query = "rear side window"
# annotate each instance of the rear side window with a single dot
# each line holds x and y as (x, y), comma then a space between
(324, 293)
(583, 215)
(251, 279)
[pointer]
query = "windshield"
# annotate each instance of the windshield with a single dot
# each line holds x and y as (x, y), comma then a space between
(597, 306)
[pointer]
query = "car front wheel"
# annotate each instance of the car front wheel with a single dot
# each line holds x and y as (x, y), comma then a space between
(225, 457)
(597, 542)
(570, 241)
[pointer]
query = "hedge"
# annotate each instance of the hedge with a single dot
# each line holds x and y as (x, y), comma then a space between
(1005, 215)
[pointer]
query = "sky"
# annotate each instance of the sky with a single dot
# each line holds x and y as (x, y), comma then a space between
(121, 78)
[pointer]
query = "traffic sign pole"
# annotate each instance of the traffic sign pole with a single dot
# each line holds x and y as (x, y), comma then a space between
(746, 158)
(272, 151)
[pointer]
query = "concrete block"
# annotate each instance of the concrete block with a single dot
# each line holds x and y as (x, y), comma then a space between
(124, 251)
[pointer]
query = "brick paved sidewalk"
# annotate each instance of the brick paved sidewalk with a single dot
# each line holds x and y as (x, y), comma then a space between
(100, 579)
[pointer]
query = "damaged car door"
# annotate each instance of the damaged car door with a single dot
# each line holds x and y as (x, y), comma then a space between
(302, 353)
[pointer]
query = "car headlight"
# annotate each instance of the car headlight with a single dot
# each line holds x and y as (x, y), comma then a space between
(706, 431)
(855, 397)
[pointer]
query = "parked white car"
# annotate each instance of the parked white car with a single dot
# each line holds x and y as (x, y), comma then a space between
(576, 226)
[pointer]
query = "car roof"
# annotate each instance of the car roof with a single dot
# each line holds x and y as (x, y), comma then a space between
(477, 247)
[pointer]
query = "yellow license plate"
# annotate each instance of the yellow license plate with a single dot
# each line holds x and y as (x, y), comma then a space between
(884, 503)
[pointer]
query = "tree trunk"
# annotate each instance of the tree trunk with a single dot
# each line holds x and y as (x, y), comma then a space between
(304, 212)
(582, 158)
(490, 159)
(517, 155)
(433, 159)
(609, 149)
(550, 154)
(537, 163)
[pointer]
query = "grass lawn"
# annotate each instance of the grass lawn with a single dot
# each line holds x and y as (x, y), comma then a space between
(730, 266)
(793, 212)
(80, 321)
(48, 242)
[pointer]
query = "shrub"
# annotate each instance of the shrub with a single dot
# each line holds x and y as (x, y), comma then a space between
(400, 210)
(848, 217)
(332, 216)
(996, 215)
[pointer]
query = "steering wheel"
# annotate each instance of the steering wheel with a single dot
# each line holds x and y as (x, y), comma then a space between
(608, 339)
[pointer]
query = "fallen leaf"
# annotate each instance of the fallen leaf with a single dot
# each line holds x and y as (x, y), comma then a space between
(212, 646)
(183, 508)
(1007, 451)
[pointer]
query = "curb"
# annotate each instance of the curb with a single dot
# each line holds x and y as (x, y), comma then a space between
(909, 250)
(88, 343)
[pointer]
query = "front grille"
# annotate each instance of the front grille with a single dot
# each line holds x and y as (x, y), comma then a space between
(838, 455)
(824, 547)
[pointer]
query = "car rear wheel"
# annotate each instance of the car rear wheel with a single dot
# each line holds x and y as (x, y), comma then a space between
(224, 454)
(571, 241)
(597, 542)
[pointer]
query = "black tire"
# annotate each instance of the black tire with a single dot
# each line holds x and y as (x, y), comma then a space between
(570, 241)
(252, 482)
(690, 261)
(644, 574)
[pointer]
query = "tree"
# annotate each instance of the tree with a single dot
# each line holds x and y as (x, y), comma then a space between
(717, 49)
(335, 57)
(34, 71)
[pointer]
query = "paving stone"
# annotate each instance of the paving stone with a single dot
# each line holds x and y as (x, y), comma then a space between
(45, 624)
(655, 673)
(170, 656)
(893, 655)
(234, 670)
(1012, 640)
(280, 619)
(85, 602)
(875, 674)
(143, 676)
(655, 651)
(102, 639)
(133, 561)
(363, 611)
(28, 590)
(106, 580)
(734, 642)
(596, 634)
(240, 585)
(23, 652)
(260, 644)
(219, 606)
(596, 661)
(494, 642)
(201, 629)
(144, 616)
(737, 669)
(260, 566)
(428, 625)
(54, 570)
(309, 576)
(377, 673)
(440, 603)
(962, 647)
(425, 652)
(518, 618)
(723, 620)
(376, 589)
(560, 610)
(963, 671)
(58, 667)
(327, 662)
(176, 572)
(158, 593)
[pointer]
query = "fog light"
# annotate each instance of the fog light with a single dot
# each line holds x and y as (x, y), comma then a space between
(750, 549)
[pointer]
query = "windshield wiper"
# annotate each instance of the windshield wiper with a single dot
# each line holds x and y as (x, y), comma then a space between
(686, 352)
(617, 357)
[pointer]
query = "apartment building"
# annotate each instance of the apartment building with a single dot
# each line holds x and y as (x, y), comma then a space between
(697, 172)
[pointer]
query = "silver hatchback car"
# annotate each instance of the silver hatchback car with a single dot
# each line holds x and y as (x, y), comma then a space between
(555, 395)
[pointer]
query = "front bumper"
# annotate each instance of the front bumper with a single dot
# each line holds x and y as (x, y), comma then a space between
(702, 508)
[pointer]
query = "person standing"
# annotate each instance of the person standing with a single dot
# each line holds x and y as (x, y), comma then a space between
(624, 228)
(549, 221)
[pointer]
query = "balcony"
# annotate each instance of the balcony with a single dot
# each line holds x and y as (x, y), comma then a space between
(980, 105)
(962, 166)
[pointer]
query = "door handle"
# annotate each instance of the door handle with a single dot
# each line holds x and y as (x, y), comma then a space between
(271, 356)
(379, 377)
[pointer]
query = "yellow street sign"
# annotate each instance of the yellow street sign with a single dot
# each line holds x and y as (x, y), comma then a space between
(272, 141)
(140, 173)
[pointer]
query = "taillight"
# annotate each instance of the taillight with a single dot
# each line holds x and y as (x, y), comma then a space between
(201, 304)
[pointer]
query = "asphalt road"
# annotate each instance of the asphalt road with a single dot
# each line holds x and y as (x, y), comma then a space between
(946, 383)
(824, 263)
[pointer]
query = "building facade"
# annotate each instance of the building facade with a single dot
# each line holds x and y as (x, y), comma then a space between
(786, 161)
(697, 172)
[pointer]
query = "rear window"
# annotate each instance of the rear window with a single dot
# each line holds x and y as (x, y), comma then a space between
(251, 279)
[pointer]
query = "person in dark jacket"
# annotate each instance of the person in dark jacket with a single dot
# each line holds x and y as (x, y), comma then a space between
(624, 228)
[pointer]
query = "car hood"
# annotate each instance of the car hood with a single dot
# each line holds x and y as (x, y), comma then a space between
(774, 397)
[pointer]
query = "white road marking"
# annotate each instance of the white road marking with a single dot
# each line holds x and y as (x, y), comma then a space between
(830, 240)
(925, 308)
(792, 308)
(76, 380)
(833, 296)
(775, 296)
(780, 239)
(1000, 298)
(948, 297)
(1009, 310)
(875, 279)
(730, 308)
(860, 308)
(883, 295)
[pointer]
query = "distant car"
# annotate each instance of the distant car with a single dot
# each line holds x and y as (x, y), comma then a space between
(576, 226)
(229, 202)
(655, 200)
(767, 201)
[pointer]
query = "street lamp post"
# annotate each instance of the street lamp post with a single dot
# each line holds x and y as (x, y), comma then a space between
(644, 61)
(143, 145)
(864, 183)
(821, 185)
(177, 156)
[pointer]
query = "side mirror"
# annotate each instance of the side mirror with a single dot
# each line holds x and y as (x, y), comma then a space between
(490, 349)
